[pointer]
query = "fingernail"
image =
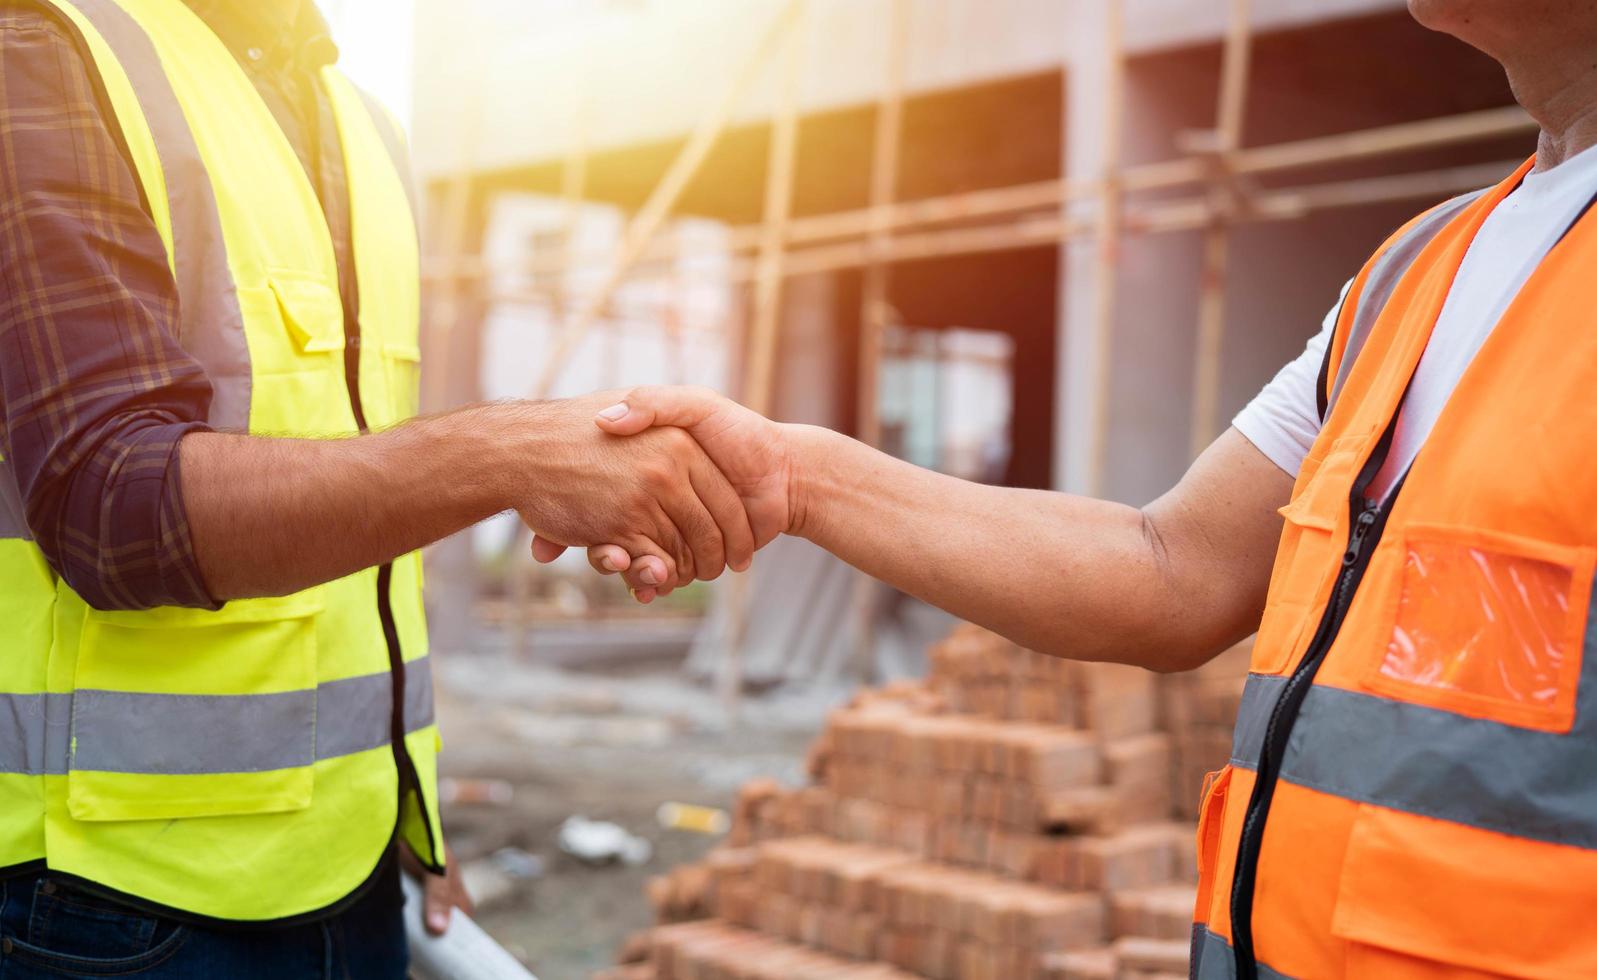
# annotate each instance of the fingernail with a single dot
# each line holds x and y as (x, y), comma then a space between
(438, 920)
(650, 575)
(741, 566)
(608, 563)
(615, 412)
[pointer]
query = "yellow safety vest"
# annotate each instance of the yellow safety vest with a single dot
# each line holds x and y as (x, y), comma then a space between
(246, 763)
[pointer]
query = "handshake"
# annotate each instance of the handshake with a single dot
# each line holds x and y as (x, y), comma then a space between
(662, 485)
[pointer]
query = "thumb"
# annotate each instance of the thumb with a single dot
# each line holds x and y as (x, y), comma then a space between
(435, 892)
(656, 405)
(545, 551)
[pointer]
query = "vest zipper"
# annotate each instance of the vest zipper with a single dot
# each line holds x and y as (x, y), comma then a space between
(1368, 521)
(404, 767)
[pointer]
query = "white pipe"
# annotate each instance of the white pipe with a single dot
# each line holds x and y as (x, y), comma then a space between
(463, 952)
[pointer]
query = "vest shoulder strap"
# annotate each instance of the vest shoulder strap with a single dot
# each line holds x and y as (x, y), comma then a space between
(1370, 293)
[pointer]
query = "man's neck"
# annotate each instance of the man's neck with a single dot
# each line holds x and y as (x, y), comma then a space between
(1561, 95)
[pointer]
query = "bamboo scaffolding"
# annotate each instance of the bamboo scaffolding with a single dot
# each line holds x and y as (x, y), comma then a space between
(759, 380)
(1227, 138)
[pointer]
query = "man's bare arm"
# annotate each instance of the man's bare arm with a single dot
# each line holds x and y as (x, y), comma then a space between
(271, 516)
(1166, 586)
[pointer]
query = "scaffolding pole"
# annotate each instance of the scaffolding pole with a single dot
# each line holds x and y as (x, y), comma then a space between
(1226, 140)
(874, 306)
(760, 365)
(1107, 260)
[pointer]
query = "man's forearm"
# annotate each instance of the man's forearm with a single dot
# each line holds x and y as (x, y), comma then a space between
(271, 516)
(1062, 574)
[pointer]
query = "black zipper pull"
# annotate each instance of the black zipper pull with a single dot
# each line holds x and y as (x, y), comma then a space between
(1355, 540)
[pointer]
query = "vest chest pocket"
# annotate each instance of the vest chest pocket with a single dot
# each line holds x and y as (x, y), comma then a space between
(1307, 557)
(1487, 625)
(191, 713)
(294, 323)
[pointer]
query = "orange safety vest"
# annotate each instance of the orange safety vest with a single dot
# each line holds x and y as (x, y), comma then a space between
(1413, 784)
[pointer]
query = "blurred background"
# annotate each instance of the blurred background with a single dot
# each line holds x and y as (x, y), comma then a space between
(1045, 243)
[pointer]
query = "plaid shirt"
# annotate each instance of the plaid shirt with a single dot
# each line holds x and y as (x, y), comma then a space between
(95, 391)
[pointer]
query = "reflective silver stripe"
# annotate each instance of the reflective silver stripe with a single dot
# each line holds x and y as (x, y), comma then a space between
(1384, 277)
(212, 327)
(418, 694)
(34, 733)
(1213, 959)
(168, 734)
(13, 520)
(394, 143)
(1253, 717)
(1485, 774)
(187, 734)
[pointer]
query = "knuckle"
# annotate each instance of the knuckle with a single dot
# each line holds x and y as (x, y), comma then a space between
(675, 441)
(659, 474)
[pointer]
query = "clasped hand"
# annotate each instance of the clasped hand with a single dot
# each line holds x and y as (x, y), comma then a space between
(674, 484)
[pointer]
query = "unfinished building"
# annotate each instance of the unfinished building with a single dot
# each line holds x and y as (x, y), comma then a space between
(1102, 225)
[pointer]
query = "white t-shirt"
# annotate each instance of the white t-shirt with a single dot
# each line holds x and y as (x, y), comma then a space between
(1283, 419)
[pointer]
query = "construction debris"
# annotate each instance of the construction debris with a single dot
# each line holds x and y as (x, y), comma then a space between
(690, 817)
(1012, 817)
(602, 842)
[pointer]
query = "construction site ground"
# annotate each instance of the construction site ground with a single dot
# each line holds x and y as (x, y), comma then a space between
(609, 743)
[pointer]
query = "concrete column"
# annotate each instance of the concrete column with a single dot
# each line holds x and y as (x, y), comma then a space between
(1086, 68)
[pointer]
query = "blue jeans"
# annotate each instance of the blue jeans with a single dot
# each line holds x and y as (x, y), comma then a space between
(50, 928)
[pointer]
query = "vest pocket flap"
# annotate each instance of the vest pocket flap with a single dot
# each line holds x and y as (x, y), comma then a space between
(400, 351)
(311, 310)
(189, 713)
(1318, 503)
(1447, 893)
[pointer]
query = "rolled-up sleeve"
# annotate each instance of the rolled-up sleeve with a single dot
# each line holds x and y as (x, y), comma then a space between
(95, 389)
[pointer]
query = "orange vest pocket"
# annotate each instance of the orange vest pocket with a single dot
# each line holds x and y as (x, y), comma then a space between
(1211, 813)
(1487, 625)
(1424, 898)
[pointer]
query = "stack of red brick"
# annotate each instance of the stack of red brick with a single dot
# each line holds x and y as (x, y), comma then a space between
(1014, 816)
